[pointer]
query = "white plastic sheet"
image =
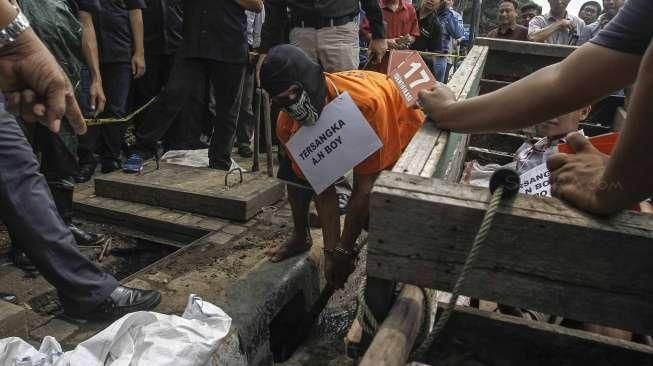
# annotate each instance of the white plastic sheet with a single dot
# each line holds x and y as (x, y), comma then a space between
(194, 158)
(140, 338)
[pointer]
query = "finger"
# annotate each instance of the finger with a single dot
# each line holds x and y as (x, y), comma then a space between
(556, 161)
(27, 97)
(12, 101)
(55, 102)
(39, 109)
(94, 98)
(101, 103)
(580, 143)
(134, 68)
(74, 114)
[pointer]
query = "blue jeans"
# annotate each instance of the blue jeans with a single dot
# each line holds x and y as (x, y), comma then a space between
(440, 66)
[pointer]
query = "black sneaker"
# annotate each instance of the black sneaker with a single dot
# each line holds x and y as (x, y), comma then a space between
(85, 173)
(110, 166)
(122, 301)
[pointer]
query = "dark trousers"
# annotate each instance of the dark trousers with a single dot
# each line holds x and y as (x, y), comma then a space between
(188, 81)
(57, 153)
(179, 114)
(27, 209)
(149, 85)
(246, 119)
(106, 140)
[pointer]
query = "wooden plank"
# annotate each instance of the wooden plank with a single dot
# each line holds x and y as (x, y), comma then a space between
(525, 48)
(425, 149)
(487, 156)
(503, 142)
(488, 85)
(396, 336)
(540, 254)
(497, 339)
(196, 190)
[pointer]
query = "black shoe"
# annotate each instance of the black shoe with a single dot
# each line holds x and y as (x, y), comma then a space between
(122, 301)
(85, 173)
(245, 151)
(109, 166)
(85, 239)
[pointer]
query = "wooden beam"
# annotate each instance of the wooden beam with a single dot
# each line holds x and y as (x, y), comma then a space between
(487, 156)
(540, 254)
(525, 48)
(425, 150)
(497, 339)
(395, 338)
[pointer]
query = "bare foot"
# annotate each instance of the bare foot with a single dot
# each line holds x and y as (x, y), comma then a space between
(290, 248)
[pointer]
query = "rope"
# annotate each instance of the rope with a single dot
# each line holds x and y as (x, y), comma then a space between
(364, 315)
(434, 336)
(129, 117)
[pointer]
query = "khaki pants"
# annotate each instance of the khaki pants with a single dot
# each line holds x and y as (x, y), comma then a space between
(335, 48)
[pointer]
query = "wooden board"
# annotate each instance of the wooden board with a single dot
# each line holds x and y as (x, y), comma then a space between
(425, 150)
(496, 339)
(487, 156)
(197, 190)
(540, 253)
(503, 142)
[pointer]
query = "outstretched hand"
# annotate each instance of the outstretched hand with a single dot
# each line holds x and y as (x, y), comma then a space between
(35, 86)
(578, 178)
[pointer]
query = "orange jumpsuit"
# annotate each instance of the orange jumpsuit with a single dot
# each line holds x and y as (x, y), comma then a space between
(380, 102)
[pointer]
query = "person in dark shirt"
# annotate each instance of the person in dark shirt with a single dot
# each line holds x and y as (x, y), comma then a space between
(214, 52)
(528, 12)
(122, 58)
(430, 29)
(327, 31)
(162, 21)
(587, 179)
(508, 27)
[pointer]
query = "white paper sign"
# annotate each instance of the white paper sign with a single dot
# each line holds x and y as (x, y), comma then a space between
(339, 140)
(535, 182)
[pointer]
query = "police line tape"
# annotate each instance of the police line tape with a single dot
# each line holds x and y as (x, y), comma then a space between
(129, 117)
(425, 53)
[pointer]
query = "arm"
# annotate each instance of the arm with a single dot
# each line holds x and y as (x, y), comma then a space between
(251, 5)
(378, 45)
(90, 52)
(537, 33)
(33, 81)
(581, 177)
(138, 58)
(547, 93)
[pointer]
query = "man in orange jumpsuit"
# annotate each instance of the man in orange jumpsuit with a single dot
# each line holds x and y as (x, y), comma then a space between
(301, 88)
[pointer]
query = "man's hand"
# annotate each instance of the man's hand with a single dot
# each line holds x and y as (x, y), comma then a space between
(337, 268)
(138, 65)
(565, 24)
(578, 178)
(98, 99)
(435, 101)
(377, 49)
(36, 86)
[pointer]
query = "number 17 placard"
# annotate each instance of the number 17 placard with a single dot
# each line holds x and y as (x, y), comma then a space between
(411, 76)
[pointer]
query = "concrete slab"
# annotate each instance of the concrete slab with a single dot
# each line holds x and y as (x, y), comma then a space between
(13, 320)
(196, 190)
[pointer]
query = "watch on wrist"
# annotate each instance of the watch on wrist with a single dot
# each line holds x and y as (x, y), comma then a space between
(14, 29)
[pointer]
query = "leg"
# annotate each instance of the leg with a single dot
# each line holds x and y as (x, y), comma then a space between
(337, 47)
(440, 69)
(306, 39)
(150, 84)
(27, 209)
(116, 82)
(299, 242)
(246, 117)
(87, 142)
(227, 80)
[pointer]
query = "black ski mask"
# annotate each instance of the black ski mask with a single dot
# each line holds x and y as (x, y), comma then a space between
(287, 65)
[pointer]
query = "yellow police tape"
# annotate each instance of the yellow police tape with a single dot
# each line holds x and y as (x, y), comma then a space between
(129, 117)
(424, 53)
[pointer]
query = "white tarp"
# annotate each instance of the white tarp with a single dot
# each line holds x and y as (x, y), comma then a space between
(195, 158)
(140, 338)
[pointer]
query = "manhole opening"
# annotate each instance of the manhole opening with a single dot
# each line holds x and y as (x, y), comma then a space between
(285, 327)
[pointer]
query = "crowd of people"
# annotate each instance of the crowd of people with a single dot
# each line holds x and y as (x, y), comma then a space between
(196, 63)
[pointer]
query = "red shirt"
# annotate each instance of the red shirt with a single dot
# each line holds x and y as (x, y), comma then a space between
(401, 21)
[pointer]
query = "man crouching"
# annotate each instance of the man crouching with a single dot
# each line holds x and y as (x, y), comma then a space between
(301, 89)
